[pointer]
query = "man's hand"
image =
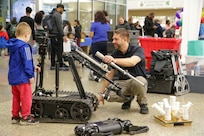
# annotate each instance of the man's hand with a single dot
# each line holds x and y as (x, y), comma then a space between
(108, 59)
(101, 99)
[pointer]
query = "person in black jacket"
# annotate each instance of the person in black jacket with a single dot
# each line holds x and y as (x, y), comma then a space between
(159, 30)
(77, 27)
(57, 37)
(149, 25)
(30, 21)
(122, 24)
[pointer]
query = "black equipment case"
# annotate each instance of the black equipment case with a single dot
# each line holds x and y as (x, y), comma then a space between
(162, 74)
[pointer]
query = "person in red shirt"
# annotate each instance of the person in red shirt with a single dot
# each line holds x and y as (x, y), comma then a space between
(3, 39)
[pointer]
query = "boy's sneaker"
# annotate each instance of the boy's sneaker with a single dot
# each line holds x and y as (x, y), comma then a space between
(144, 109)
(15, 120)
(29, 121)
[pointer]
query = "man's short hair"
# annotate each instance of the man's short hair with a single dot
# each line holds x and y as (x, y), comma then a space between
(61, 6)
(28, 9)
(123, 33)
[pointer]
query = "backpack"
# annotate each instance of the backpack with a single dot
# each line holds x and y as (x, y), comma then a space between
(3, 42)
(48, 23)
(161, 63)
(12, 30)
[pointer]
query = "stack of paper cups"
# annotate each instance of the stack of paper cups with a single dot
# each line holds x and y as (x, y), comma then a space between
(172, 102)
(167, 113)
(161, 105)
(166, 103)
(158, 108)
(185, 115)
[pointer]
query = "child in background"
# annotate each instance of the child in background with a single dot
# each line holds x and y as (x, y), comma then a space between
(72, 43)
(21, 75)
(3, 39)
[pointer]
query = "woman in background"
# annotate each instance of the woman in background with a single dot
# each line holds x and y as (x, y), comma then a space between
(98, 33)
(68, 28)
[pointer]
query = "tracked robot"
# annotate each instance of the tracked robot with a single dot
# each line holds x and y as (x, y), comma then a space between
(61, 105)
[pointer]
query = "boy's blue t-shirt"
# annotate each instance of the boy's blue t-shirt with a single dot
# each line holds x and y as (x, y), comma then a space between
(100, 31)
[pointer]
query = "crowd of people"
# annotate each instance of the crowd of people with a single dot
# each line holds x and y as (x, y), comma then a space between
(130, 57)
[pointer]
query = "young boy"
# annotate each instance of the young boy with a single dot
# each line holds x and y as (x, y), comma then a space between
(21, 75)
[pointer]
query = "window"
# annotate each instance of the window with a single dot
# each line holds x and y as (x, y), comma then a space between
(85, 14)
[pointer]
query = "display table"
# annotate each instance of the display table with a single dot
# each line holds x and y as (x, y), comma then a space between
(85, 44)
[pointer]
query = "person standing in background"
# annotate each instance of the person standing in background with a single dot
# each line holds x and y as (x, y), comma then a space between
(10, 28)
(38, 21)
(139, 27)
(57, 37)
(149, 27)
(98, 33)
(159, 30)
(3, 39)
(77, 27)
(68, 28)
(132, 25)
(106, 15)
(30, 21)
(167, 27)
(122, 24)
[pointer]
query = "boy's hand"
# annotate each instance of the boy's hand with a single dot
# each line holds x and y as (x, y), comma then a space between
(37, 68)
(32, 80)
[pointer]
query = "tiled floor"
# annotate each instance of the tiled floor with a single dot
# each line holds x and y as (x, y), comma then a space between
(109, 110)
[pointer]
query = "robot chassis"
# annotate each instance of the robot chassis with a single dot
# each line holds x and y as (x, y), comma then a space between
(68, 106)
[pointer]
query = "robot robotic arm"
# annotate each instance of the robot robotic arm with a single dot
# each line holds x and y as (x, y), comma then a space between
(109, 127)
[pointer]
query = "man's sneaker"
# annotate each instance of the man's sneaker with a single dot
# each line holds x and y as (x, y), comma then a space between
(15, 120)
(52, 67)
(29, 121)
(144, 109)
(127, 104)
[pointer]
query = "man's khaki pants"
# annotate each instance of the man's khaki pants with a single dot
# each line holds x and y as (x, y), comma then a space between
(130, 87)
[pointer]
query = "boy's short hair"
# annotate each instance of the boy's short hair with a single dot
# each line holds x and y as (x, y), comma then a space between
(22, 29)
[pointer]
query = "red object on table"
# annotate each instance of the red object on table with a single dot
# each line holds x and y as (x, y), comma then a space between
(152, 43)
